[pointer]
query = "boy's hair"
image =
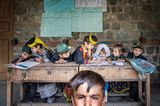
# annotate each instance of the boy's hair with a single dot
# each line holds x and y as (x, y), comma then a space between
(92, 78)
(90, 38)
(137, 45)
(120, 47)
(26, 49)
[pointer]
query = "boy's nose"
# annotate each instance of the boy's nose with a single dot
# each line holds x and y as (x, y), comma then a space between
(88, 102)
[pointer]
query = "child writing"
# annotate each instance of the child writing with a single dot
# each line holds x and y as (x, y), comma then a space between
(83, 53)
(44, 54)
(62, 54)
(40, 49)
(25, 55)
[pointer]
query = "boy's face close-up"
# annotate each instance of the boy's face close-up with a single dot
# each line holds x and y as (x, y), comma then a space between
(137, 51)
(24, 55)
(116, 52)
(94, 97)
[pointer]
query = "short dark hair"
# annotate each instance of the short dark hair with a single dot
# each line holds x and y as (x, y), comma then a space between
(120, 47)
(92, 78)
(86, 39)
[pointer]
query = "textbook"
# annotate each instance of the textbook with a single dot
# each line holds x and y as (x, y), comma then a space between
(24, 65)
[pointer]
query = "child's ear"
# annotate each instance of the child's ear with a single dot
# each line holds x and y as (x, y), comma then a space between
(72, 99)
(104, 100)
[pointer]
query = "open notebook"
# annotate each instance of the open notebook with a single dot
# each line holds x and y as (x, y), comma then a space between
(24, 65)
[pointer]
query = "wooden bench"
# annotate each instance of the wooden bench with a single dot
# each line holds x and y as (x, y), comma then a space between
(48, 72)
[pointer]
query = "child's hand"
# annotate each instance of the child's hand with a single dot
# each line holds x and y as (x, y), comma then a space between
(121, 60)
(40, 60)
(61, 61)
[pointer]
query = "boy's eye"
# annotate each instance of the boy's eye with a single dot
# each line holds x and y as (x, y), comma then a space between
(95, 98)
(80, 97)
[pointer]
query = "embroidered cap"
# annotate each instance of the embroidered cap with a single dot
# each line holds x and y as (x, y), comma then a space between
(91, 40)
(33, 41)
(62, 48)
(137, 45)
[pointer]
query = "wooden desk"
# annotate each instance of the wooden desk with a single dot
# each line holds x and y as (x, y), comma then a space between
(64, 72)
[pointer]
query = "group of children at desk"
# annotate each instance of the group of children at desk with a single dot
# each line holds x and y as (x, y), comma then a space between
(36, 50)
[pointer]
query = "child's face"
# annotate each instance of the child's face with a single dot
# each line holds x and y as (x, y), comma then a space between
(116, 52)
(65, 55)
(35, 49)
(89, 46)
(24, 55)
(102, 53)
(137, 51)
(94, 97)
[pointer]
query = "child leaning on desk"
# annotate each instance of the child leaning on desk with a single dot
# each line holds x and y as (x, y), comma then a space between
(101, 53)
(136, 53)
(44, 54)
(24, 56)
(62, 54)
(117, 55)
(40, 49)
(83, 53)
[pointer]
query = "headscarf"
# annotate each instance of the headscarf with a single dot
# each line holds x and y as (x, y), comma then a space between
(100, 47)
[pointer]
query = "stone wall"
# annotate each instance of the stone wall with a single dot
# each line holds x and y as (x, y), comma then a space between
(126, 21)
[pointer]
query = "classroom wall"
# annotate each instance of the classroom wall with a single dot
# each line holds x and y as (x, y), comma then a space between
(126, 21)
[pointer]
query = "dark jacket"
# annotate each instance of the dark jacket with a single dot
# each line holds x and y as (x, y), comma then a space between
(80, 56)
(130, 55)
(114, 58)
(55, 57)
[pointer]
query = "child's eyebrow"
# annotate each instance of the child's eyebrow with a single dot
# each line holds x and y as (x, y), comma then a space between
(79, 95)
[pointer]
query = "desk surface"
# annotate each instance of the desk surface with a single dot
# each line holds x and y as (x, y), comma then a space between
(64, 72)
(48, 72)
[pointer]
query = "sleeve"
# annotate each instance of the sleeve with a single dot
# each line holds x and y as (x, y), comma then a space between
(15, 60)
(130, 55)
(78, 56)
(45, 57)
(142, 57)
(54, 57)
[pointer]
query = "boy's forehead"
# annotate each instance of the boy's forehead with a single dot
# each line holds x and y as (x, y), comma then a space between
(84, 88)
(137, 48)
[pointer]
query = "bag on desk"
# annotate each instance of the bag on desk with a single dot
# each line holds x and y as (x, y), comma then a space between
(142, 66)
